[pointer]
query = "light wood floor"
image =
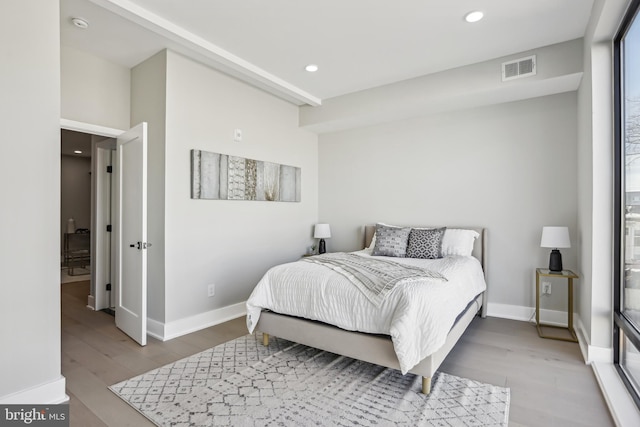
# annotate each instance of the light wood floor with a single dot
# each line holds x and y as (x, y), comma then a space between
(550, 384)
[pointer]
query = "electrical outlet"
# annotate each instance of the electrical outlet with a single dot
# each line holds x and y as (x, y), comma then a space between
(211, 290)
(546, 288)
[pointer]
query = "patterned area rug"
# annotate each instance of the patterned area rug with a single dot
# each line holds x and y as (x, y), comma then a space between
(243, 383)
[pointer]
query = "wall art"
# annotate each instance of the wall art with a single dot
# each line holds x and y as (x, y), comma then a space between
(218, 176)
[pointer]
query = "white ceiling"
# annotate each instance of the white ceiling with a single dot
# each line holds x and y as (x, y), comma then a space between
(71, 141)
(358, 44)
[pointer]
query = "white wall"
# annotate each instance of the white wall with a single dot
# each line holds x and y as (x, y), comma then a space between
(148, 104)
(75, 192)
(585, 195)
(199, 242)
(30, 193)
(94, 90)
(595, 184)
(229, 243)
(510, 167)
(596, 198)
(559, 69)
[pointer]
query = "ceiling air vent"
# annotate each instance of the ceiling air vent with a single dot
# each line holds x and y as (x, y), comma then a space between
(523, 67)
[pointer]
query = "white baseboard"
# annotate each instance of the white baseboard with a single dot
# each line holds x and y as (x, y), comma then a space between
(51, 393)
(583, 340)
(167, 331)
(591, 353)
(155, 329)
(506, 311)
(526, 314)
(558, 318)
(91, 302)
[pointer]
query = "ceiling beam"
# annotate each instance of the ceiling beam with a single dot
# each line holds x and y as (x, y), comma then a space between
(199, 49)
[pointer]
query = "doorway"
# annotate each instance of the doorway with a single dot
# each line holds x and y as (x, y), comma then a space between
(118, 242)
(86, 162)
(75, 206)
(96, 142)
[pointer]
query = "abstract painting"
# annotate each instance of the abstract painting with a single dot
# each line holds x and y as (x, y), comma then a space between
(218, 176)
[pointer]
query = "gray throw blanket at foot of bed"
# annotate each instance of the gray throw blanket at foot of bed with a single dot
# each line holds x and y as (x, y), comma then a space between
(374, 277)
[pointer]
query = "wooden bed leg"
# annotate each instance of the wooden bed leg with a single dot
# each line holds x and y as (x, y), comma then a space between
(265, 339)
(426, 385)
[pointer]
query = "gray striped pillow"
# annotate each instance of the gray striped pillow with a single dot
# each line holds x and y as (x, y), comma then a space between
(391, 241)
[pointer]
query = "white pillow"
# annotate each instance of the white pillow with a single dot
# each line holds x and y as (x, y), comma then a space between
(458, 242)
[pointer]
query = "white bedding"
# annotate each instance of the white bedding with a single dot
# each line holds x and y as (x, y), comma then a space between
(417, 314)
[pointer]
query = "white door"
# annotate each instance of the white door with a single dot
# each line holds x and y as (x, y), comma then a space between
(131, 233)
(100, 221)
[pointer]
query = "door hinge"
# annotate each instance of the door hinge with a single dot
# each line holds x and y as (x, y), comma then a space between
(109, 228)
(109, 169)
(108, 286)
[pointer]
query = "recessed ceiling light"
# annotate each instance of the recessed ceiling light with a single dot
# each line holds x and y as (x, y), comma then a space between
(474, 16)
(78, 152)
(80, 23)
(312, 68)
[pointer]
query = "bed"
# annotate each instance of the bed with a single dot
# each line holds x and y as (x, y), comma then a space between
(363, 342)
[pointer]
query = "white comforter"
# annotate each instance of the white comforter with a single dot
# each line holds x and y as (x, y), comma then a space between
(417, 314)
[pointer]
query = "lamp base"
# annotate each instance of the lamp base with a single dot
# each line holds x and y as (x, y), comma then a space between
(321, 247)
(555, 261)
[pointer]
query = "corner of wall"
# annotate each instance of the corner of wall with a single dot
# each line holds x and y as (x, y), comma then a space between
(148, 104)
(591, 354)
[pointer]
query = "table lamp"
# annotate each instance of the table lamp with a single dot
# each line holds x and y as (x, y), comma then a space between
(555, 237)
(322, 231)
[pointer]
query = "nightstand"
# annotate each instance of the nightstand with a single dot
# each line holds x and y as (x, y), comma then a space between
(564, 274)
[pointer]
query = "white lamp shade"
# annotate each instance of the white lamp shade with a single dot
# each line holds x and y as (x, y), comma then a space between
(555, 237)
(322, 231)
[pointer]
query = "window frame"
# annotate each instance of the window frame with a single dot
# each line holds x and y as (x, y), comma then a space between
(622, 326)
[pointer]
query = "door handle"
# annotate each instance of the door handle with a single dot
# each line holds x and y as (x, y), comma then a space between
(140, 245)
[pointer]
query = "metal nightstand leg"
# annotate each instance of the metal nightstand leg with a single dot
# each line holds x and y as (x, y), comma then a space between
(538, 303)
(569, 327)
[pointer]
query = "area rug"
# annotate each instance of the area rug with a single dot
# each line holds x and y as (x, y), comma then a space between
(244, 383)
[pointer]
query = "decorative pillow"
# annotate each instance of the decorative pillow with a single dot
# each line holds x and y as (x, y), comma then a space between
(391, 241)
(425, 243)
(373, 239)
(458, 242)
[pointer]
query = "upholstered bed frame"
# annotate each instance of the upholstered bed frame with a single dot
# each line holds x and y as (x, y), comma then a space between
(377, 349)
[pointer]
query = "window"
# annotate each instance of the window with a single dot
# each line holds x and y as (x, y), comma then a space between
(627, 203)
